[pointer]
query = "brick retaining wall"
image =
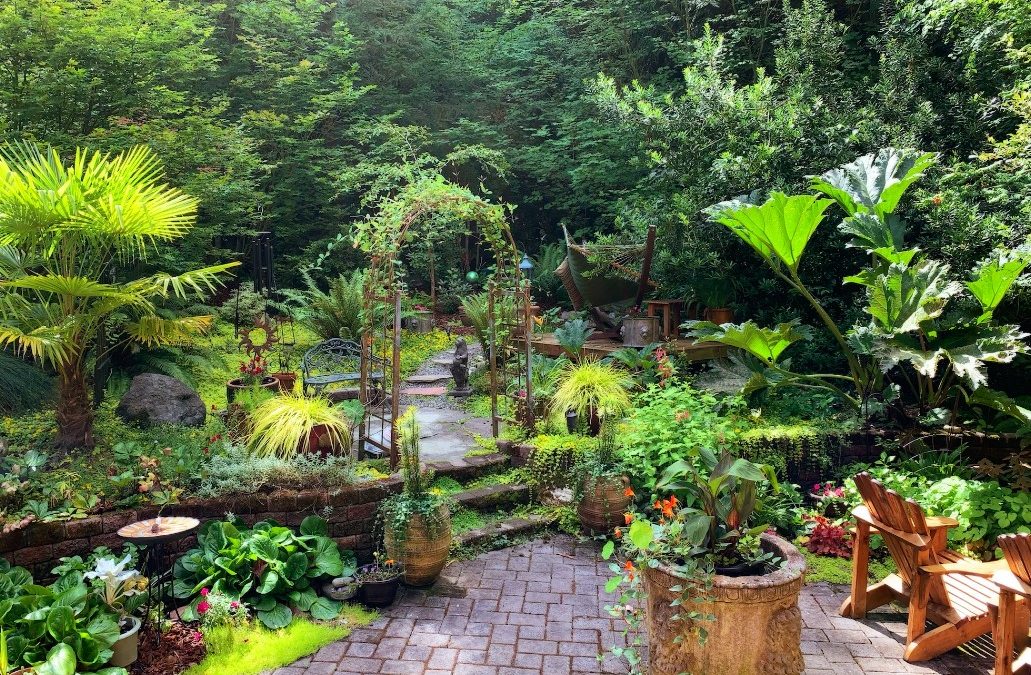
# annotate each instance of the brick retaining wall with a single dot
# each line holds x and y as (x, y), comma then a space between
(350, 512)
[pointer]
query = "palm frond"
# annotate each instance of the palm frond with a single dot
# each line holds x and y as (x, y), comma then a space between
(153, 330)
(199, 282)
(46, 344)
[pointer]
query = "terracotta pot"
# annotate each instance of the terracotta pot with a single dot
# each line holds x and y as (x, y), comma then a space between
(764, 608)
(603, 504)
(127, 648)
(321, 441)
(423, 554)
(640, 331)
(235, 386)
(719, 315)
(287, 382)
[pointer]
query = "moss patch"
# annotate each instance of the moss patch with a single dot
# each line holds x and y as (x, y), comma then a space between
(835, 570)
(252, 649)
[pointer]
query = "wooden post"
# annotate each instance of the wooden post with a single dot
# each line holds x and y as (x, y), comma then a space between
(531, 419)
(860, 569)
(395, 382)
(492, 338)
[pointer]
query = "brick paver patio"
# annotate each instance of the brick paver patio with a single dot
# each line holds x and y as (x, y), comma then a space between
(539, 608)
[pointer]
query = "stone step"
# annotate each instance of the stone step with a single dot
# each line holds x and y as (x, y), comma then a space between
(509, 527)
(428, 379)
(492, 496)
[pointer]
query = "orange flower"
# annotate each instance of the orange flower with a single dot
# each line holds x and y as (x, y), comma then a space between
(389, 562)
(630, 571)
(628, 517)
(629, 492)
(619, 533)
(657, 505)
(667, 506)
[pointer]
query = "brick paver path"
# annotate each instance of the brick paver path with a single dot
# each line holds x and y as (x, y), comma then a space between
(539, 608)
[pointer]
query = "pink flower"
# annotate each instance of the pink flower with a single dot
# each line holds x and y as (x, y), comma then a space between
(203, 606)
(197, 636)
(204, 592)
(234, 605)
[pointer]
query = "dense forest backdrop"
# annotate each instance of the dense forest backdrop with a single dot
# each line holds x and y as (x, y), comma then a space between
(606, 116)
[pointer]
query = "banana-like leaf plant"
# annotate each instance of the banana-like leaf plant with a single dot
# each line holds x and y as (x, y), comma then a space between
(914, 327)
(71, 235)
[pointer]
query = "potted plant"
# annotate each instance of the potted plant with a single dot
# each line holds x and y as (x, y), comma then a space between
(709, 576)
(416, 522)
(716, 292)
(378, 582)
(639, 330)
(601, 490)
(590, 391)
(291, 423)
(252, 375)
(123, 590)
(830, 500)
(572, 336)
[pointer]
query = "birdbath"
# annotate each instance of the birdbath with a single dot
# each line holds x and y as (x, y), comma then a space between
(154, 533)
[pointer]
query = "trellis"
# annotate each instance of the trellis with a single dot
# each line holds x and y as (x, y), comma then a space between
(437, 210)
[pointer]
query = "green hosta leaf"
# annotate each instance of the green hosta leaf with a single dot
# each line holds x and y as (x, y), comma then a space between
(764, 343)
(324, 609)
(278, 617)
(994, 277)
(296, 566)
(61, 622)
(901, 298)
(61, 660)
(607, 550)
(640, 534)
(303, 600)
(264, 548)
(327, 560)
(876, 182)
(780, 229)
(269, 579)
(315, 526)
(104, 630)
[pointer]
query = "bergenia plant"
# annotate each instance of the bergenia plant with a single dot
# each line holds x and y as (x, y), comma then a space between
(120, 584)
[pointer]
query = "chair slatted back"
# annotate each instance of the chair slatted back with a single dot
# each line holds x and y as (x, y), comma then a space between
(890, 509)
(1017, 549)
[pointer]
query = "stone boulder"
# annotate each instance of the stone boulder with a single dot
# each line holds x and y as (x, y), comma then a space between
(160, 399)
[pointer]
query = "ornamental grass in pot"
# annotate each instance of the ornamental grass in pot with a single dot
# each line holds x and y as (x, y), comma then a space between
(291, 423)
(601, 489)
(416, 522)
(592, 390)
(708, 576)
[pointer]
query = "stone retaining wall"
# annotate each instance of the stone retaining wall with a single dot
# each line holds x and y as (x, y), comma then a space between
(350, 511)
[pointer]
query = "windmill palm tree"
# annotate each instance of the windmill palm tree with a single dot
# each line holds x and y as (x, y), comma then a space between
(67, 232)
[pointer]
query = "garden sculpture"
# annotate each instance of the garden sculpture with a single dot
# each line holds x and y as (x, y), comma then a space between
(460, 369)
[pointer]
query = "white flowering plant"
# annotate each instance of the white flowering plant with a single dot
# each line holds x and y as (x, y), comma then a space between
(121, 587)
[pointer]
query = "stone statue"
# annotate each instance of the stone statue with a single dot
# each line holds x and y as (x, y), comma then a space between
(460, 369)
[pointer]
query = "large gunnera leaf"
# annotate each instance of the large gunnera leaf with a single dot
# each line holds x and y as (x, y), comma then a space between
(901, 298)
(994, 277)
(764, 343)
(779, 229)
(876, 182)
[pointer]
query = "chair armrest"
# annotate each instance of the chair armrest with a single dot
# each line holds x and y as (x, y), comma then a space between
(971, 567)
(941, 521)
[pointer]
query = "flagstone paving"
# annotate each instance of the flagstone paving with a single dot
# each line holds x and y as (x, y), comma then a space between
(539, 608)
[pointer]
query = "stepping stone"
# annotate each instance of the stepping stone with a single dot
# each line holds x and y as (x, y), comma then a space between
(447, 363)
(508, 528)
(493, 496)
(428, 379)
(425, 391)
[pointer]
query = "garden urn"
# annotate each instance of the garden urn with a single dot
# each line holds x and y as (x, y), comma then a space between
(603, 504)
(757, 628)
(423, 549)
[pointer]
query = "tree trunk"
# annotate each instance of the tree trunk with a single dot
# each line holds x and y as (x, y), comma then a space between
(74, 415)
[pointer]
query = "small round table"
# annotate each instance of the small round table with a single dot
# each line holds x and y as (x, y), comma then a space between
(154, 533)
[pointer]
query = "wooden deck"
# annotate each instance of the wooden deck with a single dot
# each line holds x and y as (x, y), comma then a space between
(546, 344)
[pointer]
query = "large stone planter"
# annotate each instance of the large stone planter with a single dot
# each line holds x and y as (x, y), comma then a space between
(423, 554)
(758, 626)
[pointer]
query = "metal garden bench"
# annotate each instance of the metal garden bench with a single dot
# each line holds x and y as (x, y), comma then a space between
(334, 361)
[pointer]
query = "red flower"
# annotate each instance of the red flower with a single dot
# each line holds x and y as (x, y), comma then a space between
(629, 492)
(628, 517)
(203, 606)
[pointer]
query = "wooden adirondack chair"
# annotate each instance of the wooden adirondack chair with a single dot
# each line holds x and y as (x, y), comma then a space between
(1009, 627)
(937, 584)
